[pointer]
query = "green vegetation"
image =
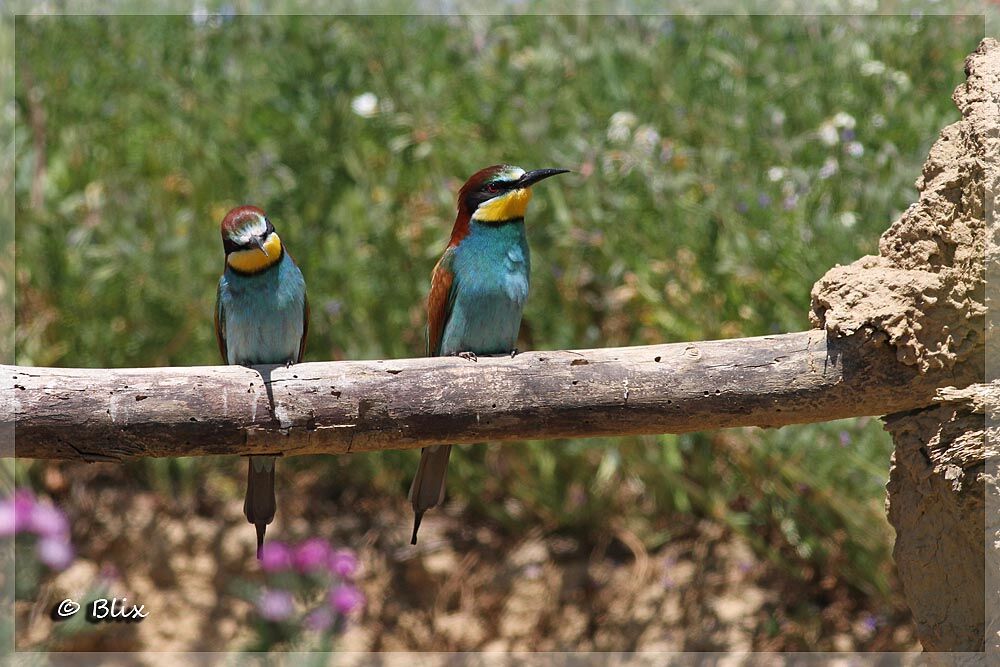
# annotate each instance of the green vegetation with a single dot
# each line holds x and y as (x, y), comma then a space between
(722, 164)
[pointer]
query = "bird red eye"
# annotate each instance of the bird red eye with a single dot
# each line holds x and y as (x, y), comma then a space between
(493, 188)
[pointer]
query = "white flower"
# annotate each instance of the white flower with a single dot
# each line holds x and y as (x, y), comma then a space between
(778, 117)
(621, 125)
(900, 79)
(872, 68)
(855, 149)
(626, 118)
(844, 119)
(847, 219)
(365, 105)
(199, 14)
(775, 174)
(828, 134)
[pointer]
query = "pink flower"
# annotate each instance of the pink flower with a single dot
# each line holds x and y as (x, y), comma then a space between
(48, 521)
(346, 599)
(343, 563)
(319, 619)
(275, 605)
(312, 555)
(8, 520)
(275, 557)
(24, 503)
(56, 552)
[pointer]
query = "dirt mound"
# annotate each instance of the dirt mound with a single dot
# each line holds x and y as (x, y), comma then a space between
(926, 294)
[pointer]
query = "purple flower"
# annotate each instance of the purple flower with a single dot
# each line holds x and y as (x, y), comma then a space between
(24, 503)
(275, 605)
(845, 438)
(319, 619)
(56, 552)
(312, 555)
(345, 599)
(48, 521)
(343, 563)
(847, 134)
(763, 200)
(869, 623)
(742, 207)
(829, 168)
(790, 201)
(7, 518)
(275, 557)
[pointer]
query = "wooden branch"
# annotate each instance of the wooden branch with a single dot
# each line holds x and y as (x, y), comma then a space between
(357, 406)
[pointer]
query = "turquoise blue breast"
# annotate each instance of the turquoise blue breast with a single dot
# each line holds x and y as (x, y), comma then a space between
(491, 267)
(263, 314)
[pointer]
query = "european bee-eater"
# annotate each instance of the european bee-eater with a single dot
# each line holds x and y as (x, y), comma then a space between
(478, 290)
(261, 317)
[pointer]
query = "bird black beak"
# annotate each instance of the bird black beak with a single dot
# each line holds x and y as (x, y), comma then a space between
(532, 177)
(259, 242)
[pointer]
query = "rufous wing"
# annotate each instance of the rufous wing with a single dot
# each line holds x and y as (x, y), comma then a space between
(220, 326)
(440, 301)
(305, 328)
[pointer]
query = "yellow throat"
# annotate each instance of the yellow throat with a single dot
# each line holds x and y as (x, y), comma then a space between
(510, 206)
(254, 260)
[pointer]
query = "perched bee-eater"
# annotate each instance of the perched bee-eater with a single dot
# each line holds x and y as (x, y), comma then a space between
(478, 290)
(261, 317)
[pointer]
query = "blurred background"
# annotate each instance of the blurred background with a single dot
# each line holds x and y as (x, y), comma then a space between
(721, 166)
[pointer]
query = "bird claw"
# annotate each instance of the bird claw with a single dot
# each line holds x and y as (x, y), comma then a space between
(288, 364)
(513, 353)
(471, 356)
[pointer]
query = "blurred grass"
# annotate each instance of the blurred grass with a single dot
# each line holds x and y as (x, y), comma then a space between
(722, 164)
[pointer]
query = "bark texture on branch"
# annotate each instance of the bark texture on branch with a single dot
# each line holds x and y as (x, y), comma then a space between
(926, 293)
(349, 406)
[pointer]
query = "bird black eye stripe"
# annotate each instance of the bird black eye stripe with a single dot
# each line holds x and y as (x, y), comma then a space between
(231, 246)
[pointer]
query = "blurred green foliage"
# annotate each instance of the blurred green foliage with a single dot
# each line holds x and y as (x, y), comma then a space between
(722, 164)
